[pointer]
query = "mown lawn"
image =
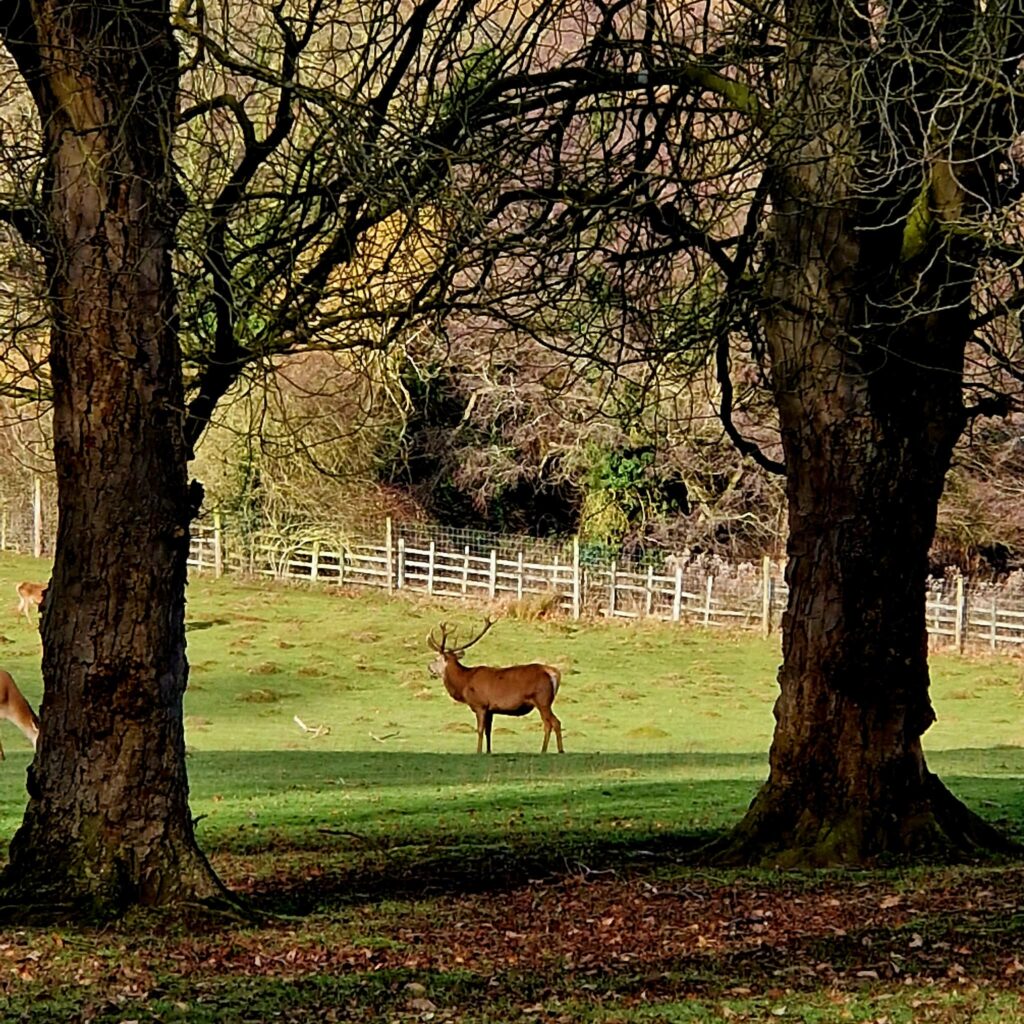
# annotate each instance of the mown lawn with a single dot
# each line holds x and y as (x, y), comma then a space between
(409, 879)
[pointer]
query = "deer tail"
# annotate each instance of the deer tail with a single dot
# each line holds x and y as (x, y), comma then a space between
(556, 678)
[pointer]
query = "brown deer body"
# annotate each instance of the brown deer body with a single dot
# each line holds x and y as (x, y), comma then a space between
(15, 708)
(29, 594)
(515, 690)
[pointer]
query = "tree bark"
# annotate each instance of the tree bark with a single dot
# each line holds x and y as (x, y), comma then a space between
(848, 781)
(108, 823)
(867, 336)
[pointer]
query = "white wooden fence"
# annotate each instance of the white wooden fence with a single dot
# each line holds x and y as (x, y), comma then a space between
(740, 597)
(982, 615)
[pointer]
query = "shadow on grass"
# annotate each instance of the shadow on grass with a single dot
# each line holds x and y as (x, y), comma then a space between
(402, 768)
(359, 877)
(191, 627)
(348, 828)
(302, 768)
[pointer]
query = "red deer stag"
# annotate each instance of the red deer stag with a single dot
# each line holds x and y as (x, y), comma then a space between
(29, 594)
(14, 708)
(515, 690)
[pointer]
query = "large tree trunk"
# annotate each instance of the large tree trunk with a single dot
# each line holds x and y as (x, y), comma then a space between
(108, 823)
(866, 318)
(848, 781)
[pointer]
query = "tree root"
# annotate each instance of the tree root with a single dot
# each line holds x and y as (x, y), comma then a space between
(779, 830)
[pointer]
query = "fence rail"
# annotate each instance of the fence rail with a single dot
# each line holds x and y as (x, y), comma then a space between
(562, 574)
(747, 596)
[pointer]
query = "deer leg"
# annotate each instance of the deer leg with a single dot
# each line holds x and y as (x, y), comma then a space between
(480, 715)
(558, 733)
(551, 723)
(488, 720)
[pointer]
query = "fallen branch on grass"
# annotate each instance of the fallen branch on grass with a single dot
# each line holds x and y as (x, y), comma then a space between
(311, 730)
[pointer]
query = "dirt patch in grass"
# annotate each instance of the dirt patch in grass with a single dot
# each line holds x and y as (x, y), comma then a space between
(262, 696)
(264, 668)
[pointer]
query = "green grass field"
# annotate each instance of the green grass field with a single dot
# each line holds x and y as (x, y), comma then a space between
(372, 831)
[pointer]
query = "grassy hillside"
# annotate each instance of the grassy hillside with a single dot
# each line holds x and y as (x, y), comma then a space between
(410, 880)
(666, 730)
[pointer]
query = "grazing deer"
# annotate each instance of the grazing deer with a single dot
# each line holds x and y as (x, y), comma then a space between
(516, 690)
(30, 594)
(14, 708)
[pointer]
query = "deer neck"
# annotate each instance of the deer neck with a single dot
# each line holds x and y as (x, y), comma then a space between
(455, 678)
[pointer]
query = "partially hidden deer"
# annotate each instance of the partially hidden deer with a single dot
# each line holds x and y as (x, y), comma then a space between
(515, 690)
(15, 708)
(29, 594)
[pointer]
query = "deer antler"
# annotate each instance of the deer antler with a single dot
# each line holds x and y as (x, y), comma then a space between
(438, 645)
(488, 622)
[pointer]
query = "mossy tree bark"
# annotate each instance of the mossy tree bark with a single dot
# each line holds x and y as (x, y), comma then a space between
(108, 822)
(867, 321)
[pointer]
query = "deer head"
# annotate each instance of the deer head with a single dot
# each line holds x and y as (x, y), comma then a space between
(447, 647)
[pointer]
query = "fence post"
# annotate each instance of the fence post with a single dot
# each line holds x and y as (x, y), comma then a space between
(611, 589)
(3, 530)
(401, 563)
(649, 595)
(389, 552)
(995, 621)
(431, 553)
(465, 570)
(707, 601)
(677, 597)
(519, 578)
(314, 561)
(577, 587)
(341, 566)
(766, 596)
(492, 582)
(218, 545)
(959, 618)
(37, 517)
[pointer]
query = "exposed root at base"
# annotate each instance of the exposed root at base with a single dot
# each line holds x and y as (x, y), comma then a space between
(779, 830)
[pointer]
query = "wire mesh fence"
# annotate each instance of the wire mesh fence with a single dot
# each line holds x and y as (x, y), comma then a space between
(562, 575)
